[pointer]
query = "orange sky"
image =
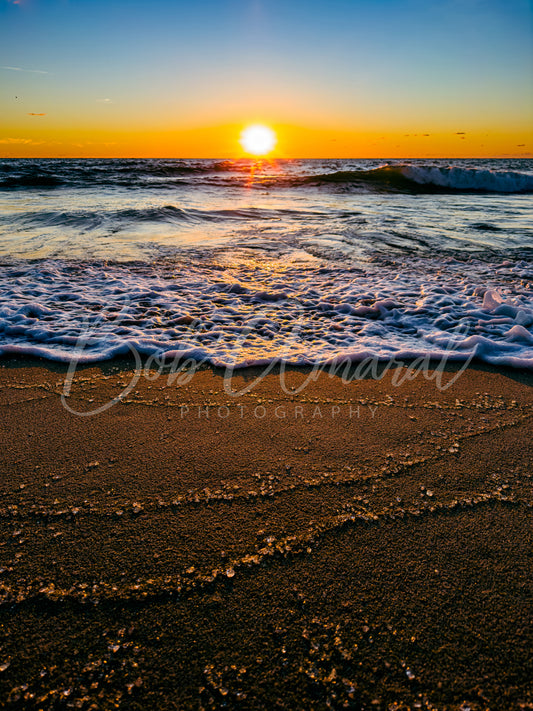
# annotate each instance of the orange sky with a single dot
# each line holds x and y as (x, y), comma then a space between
(293, 142)
(335, 79)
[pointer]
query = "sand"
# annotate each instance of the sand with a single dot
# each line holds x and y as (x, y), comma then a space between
(324, 545)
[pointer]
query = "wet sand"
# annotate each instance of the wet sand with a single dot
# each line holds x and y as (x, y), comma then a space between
(339, 545)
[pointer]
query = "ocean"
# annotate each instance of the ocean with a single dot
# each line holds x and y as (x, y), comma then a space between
(237, 263)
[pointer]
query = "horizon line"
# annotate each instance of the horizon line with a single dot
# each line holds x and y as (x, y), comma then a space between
(528, 156)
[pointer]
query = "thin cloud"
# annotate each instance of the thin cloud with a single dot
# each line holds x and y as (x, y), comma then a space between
(32, 114)
(104, 101)
(26, 141)
(460, 133)
(20, 69)
(520, 145)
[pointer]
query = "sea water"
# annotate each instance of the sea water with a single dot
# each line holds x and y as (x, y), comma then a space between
(237, 263)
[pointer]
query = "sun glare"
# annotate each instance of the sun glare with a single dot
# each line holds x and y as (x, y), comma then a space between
(258, 139)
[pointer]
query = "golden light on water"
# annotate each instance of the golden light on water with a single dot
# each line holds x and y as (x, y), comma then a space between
(258, 139)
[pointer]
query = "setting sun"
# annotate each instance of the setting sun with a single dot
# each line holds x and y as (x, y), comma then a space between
(258, 139)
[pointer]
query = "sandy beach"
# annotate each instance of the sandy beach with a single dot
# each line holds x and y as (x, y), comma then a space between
(301, 545)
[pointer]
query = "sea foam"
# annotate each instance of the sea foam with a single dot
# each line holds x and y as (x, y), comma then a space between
(243, 315)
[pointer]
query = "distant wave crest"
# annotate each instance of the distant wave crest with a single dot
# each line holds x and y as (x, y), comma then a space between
(454, 178)
(431, 179)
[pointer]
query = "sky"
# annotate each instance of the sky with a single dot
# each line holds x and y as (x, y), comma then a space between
(333, 78)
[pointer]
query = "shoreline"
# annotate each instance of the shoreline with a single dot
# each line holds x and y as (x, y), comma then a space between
(158, 558)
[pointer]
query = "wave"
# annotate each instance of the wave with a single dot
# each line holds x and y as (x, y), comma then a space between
(94, 219)
(96, 178)
(246, 315)
(415, 178)
(470, 179)
(123, 173)
(169, 174)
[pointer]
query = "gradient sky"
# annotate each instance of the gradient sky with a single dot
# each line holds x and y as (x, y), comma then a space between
(334, 78)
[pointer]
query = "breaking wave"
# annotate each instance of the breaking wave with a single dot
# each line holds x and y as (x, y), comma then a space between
(430, 179)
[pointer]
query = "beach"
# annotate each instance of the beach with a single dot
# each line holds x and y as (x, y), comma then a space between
(291, 540)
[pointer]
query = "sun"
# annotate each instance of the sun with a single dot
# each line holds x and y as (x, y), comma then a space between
(258, 139)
